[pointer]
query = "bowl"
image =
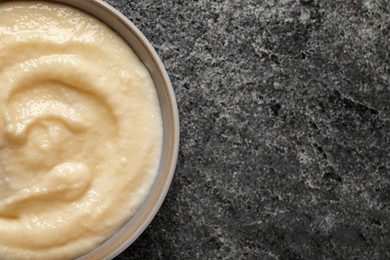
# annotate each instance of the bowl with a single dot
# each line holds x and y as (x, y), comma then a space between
(145, 52)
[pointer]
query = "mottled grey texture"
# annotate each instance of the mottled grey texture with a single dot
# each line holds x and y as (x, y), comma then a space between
(285, 128)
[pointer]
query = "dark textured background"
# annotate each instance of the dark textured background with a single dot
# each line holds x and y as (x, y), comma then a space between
(285, 129)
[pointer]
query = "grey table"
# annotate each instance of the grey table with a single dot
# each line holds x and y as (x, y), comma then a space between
(285, 129)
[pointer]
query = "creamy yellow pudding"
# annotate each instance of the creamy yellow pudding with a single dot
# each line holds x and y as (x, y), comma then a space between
(80, 131)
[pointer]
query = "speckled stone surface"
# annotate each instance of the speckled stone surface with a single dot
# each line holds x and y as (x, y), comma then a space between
(285, 129)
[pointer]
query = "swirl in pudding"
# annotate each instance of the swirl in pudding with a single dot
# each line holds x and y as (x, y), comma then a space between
(80, 131)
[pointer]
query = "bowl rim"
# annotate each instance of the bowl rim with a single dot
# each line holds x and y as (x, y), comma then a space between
(134, 227)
